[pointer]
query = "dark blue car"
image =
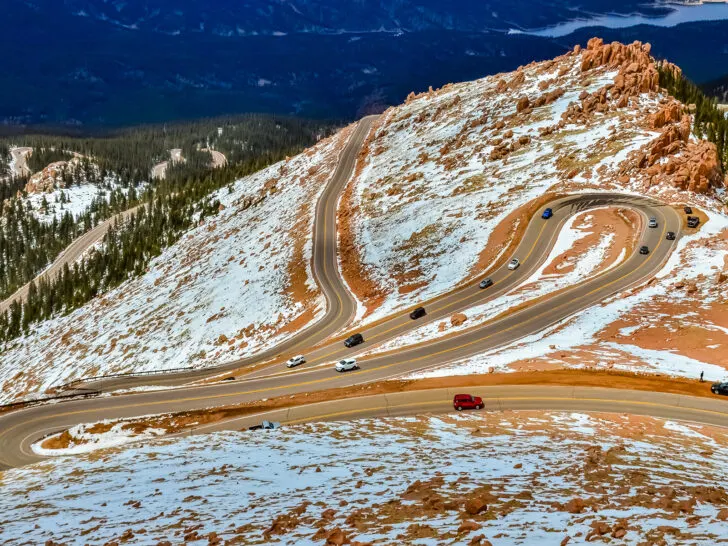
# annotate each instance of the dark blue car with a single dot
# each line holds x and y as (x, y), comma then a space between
(548, 213)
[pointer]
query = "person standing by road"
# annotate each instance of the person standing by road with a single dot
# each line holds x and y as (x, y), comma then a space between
(701, 376)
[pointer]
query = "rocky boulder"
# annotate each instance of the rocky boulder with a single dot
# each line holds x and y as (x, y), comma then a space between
(457, 319)
(522, 104)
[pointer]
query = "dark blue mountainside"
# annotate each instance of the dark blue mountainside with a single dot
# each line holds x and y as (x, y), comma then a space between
(97, 62)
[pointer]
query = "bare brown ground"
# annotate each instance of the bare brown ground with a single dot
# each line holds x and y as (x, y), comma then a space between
(352, 268)
(58, 441)
(691, 339)
(622, 223)
(178, 422)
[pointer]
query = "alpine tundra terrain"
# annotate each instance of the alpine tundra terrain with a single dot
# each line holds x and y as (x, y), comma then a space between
(441, 196)
(512, 478)
(566, 183)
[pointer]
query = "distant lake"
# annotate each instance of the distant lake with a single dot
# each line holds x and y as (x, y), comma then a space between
(713, 11)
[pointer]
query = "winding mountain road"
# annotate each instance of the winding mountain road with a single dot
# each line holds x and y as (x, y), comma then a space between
(69, 256)
(19, 429)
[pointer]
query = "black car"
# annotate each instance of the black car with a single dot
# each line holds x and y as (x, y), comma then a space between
(670, 236)
(687, 210)
(644, 250)
(719, 388)
(485, 283)
(693, 221)
(354, 339)
(417, 313)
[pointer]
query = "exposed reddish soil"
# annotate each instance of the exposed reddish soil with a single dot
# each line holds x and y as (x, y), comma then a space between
(352, 267)
(624, 224)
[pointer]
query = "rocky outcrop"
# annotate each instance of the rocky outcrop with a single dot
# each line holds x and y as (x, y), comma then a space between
(636, 74)
(457, 319)
(522, 104)
(675, 160)
(669, 113)
(696, 169)
(548, 98)
(48, 179)
(637, 70)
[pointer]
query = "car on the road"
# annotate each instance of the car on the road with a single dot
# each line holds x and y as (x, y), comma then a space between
(687, 209)
(485, 283)
(265, 425)
(296, 361)
(467, 401)
(548, 213)
(417, 313)
(644, 249)
(354, 339)
(670, 236)
(693, 221)
(513, 264)
(720, 388)
(653, 222)
(346, 365)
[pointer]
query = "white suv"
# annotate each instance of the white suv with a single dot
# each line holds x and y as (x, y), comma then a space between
(346, 365)
(653, 222)
(296, 361)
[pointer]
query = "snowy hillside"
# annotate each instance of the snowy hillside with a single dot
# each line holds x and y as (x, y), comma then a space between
(500, 478)
(452, 176)
(239, 282)
(68, 187)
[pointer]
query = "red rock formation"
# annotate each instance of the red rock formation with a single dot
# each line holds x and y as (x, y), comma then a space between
(457, 319)
(637, 70)
(548, 98)
(670, 113)
(522, 104)
(475, 506)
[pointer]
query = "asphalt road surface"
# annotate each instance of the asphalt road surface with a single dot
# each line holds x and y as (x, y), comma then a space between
(19, 431)
(340, 306)
(20, 428)
(533, 249)
(496, 398)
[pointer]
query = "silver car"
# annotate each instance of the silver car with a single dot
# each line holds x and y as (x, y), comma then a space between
(296, 361)
(346, 365)
(653, 222)
(513, 264)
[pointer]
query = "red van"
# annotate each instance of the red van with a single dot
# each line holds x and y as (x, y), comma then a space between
(467, 401)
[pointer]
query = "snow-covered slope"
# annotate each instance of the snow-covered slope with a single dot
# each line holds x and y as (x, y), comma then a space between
(239, 282)
(508, 478)
(452, 175)
(69, 187)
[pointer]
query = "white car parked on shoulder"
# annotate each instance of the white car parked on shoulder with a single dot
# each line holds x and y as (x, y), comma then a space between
(346, 365)
(513, 264)
(296, 361)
